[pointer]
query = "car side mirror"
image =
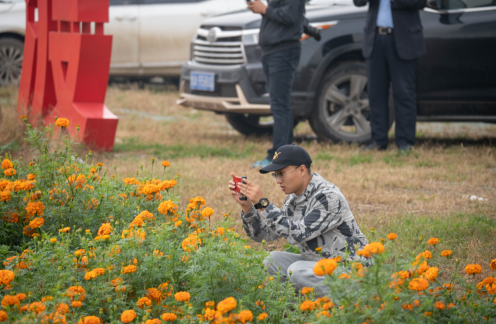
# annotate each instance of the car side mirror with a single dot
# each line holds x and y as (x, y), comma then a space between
(433, 4)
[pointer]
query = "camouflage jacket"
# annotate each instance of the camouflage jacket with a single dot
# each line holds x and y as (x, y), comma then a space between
(319, 217)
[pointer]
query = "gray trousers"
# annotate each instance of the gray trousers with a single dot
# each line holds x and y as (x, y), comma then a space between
(302, 274)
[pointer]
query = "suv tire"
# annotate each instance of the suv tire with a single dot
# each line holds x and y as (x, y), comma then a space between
(342, 112)
(248, 124)
(11, 54)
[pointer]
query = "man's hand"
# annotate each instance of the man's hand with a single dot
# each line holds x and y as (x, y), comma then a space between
(257, 6)
(245, 204)
(251, 191)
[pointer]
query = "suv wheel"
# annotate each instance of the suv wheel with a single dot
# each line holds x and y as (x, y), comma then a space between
(342, 111)
(11, 54)
(256, 125)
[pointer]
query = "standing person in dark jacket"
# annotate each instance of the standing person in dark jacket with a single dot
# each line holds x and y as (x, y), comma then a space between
(280, 33)
(392, 42)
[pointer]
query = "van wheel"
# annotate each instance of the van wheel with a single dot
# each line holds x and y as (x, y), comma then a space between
(256, 125)
(342, 112)
(11, 54)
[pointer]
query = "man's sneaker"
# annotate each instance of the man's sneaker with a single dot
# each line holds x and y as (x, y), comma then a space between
(261, 163)
(374, 147)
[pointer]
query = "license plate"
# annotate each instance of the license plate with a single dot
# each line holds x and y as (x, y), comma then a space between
(203, 81)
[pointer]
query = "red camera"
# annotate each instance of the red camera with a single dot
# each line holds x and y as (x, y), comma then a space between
(236, 188)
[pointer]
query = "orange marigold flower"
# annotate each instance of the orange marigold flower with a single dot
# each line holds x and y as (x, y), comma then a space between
(431, 274)
(4, 195)
(427, 314)
(344, 276)
(90, 275)
(245, 316)
(166, 163)
(37, 222)
(451, 305)
(90, 320)
(197, 201)
(227, 305)
(182, 296)
(76, 304)
(446, 253)
(493, 264)
(37, 307)
(153, 321)
(10, 300)
(373, 248)
(169, 317)
(144, 302)
(21, 296)
(62, 122)
(207, 212)
(306, 290)
(307, 305)
(494, 301)
(392, 236)
(30, 176)
(418, 284)
(7, 164)
(76, 293)
(3, 316)
(262, 316)
(178, 223)
(128, 316)
(11, 217)
(324, 313)
(192, 241)
(473, 269)
(433, 241)
(154, 294)
(129, 269)
(440, 305)
(105, 229)
(63, 308)
(325, 266)
(167, 207)
(6, 277)
(10, 172)
(34, 208)
(426, 255)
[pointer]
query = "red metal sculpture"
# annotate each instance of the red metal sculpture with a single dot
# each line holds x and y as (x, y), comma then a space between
(66, 67)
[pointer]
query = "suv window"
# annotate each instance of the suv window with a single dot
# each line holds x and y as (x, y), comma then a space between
(123, 2)
(169, 1)
(463, 4)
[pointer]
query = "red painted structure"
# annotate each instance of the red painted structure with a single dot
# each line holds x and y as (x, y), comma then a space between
(66, 67)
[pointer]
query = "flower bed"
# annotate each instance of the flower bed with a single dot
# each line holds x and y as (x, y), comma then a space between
(96, 249)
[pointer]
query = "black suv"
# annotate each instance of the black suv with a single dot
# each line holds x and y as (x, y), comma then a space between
(456, 80)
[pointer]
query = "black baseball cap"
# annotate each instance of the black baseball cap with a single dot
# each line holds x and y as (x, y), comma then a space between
(288, 155)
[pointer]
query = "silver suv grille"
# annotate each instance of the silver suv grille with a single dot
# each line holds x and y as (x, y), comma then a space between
(216, 47)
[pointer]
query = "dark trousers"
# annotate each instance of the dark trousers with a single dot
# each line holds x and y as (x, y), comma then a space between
(383, 68)
(279, 69)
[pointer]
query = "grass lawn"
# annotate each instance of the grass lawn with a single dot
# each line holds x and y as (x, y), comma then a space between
(421, 195)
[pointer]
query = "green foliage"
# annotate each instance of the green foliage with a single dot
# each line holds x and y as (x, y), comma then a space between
(72, 191)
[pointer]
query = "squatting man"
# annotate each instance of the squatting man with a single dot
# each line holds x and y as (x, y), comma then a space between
(315, 214)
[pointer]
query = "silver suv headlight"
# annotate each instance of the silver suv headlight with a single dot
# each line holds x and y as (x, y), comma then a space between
(250, 37)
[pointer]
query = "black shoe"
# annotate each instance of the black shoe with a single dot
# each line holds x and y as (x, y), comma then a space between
(374, 147)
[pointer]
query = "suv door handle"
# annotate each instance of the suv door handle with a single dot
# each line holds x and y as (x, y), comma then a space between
(130, 18)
